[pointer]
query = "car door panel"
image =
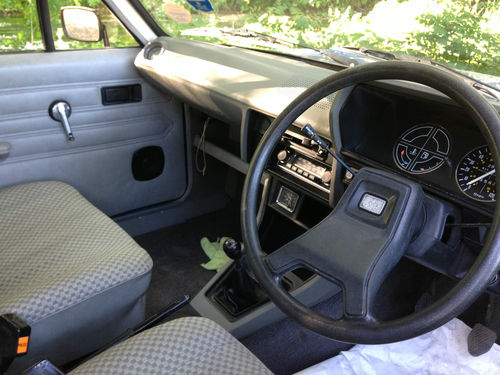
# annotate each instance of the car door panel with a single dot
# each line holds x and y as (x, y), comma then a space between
(98, 162)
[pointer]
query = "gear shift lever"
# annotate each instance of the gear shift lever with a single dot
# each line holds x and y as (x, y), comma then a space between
(237, 291)
(233, 250)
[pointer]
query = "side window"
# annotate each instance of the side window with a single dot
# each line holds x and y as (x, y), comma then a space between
(114, 33)
(19, 27)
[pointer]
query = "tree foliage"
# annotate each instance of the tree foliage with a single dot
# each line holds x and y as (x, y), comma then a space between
(456, 36)
(456, 33)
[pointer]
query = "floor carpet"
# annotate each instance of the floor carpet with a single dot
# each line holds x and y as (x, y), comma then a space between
(177, 256)
(286, 347)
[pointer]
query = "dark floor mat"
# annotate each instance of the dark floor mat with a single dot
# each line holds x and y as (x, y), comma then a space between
(286, 347)
(177, 256)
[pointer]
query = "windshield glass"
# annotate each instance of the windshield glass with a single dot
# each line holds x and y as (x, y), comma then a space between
(463, 34)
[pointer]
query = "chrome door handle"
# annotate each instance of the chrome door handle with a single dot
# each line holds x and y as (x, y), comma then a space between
(60, 111)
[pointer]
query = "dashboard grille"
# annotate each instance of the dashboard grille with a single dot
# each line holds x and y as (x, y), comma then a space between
(304, 83)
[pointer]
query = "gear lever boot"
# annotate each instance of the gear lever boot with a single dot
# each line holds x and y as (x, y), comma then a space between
(243, 286)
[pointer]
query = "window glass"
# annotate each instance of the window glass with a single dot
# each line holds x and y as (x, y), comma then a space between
(118, 35)
(464, 34)
(19, 27)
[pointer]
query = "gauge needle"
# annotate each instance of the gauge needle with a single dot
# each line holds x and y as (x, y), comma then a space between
(481, 177)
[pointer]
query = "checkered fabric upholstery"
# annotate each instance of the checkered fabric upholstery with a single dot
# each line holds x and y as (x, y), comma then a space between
(185, 346)
(57, 250)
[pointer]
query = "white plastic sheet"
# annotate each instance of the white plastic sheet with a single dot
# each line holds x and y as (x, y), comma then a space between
(442, 351)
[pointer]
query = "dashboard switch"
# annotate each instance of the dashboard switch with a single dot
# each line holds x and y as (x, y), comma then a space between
(282, 155)
(327, 177)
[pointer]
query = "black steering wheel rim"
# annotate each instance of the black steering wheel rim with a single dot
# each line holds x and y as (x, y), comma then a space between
(458, 298)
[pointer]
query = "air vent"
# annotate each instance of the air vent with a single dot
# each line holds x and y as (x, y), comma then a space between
(153, 49)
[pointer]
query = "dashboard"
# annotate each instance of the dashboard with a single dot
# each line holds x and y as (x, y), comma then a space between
(403, 127)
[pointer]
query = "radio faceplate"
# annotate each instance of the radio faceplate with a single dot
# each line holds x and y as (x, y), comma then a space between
(304, 160)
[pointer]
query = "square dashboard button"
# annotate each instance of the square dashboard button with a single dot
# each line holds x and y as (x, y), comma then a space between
(372, 204)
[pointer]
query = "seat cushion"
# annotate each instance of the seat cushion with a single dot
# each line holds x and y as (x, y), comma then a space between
(185, 346)
(58, 252)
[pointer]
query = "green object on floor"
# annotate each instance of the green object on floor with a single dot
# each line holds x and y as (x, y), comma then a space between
(215, 252)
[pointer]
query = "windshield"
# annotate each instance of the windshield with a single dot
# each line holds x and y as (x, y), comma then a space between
(463, 34)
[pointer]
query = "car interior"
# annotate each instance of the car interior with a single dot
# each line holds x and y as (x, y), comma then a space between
(346, 205)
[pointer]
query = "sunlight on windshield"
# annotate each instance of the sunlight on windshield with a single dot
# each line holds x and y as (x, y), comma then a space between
(464, 34)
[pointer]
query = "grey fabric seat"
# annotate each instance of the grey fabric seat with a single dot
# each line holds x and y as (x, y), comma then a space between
(68, 270)
(185, 346)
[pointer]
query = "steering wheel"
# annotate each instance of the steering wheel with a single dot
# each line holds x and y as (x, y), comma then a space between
(355, 248)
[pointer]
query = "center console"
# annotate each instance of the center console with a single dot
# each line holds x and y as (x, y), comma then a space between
(296, 196)
(302, 174)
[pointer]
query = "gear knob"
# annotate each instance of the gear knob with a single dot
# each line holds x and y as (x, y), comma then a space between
(232, 248)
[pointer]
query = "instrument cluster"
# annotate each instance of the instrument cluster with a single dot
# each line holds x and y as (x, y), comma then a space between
(432, 142)
(424, 148)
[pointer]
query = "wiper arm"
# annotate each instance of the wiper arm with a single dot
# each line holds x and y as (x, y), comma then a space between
(250, 34)
(244, 33)
(384, 55)
(338, 59)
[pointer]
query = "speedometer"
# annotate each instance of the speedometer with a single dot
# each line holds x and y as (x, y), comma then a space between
(476, 175)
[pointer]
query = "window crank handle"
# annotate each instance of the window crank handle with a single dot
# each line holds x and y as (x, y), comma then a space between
(60, 111)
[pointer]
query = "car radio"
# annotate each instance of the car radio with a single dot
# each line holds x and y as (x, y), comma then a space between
(304, 160)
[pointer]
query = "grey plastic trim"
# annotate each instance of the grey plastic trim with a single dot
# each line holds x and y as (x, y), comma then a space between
(98, 162)
(223, 155)
(150, 218)
(227, 158)
(225, 81)
(311, 293)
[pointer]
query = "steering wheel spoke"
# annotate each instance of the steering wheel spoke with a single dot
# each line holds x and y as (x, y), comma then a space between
(283, 260)
(357, 302)
(300, 253)
(361, 240)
